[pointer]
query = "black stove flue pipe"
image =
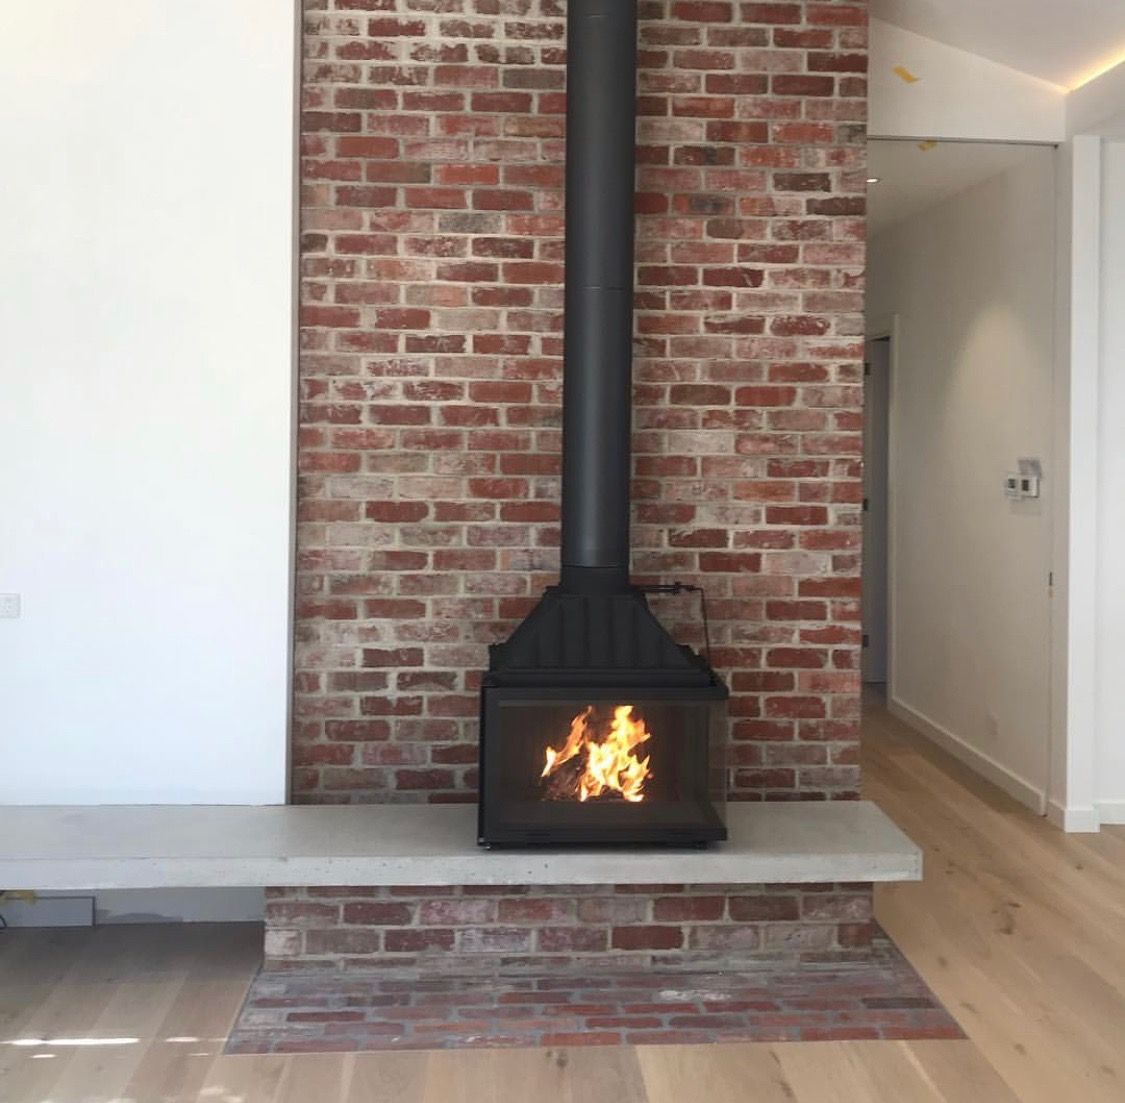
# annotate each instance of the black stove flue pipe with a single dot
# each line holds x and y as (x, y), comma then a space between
(597, 381)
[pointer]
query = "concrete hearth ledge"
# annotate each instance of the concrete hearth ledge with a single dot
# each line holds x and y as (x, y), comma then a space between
(163, 846)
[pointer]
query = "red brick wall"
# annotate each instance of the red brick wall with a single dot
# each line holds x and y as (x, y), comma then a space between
(558, 927)
(430, 374)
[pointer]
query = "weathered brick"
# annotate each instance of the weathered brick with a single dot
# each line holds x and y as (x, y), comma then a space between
(367, 914)
(431, 320)
(421, 941)
(688, 909)
(647, 938)
(584, 940)
(629, 924)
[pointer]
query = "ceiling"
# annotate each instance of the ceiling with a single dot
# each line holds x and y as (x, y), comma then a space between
(912, 179)
(1066, 42)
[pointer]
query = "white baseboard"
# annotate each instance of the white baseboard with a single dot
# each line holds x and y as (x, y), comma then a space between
(1076, 819)
(991, 770)
(1111, 811)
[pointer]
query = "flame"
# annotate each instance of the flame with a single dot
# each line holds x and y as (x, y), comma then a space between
(610, 765)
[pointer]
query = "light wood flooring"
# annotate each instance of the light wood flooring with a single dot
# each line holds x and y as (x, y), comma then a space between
(1018, 928)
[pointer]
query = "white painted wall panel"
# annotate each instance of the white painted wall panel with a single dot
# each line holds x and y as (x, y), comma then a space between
(1110, 710)
(956, 94)
(146, 412)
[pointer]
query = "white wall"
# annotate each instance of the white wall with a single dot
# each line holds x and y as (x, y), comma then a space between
(1110, 705)
(957, 94)
(145, 420)
(1099, 105)
(972, 281)
(1075, 602)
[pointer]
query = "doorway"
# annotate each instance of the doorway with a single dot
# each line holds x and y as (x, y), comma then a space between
(959, 478)
(875, 588)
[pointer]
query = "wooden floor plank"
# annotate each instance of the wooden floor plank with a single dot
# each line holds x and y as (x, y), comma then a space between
(323, 1077)
(719, 1074)
(581, 1075)
(172, 1071)
(239, 1080)
(958, 1072)
(1016, 926)
(387, 1078)
(836, 1072)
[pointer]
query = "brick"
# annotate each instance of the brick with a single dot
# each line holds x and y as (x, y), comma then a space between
(647, 938)
(616, 909)
(802, 181)
(855, 935)
(741, 132)
(335, 942)
(572, 940)
(358, 731)
(796, 515)
(447, 913)
(494, 940)
(771, 13)
(377, 915)
(761, 908)
(585, 1038)
(432, 269)
(292, 913)
(703, 11)
(689, 909)
(420, 941)
(811, 706)
(536, 911)
(389, 27)
(796, 84)
(725, 937)
(837, 62)
(848, 909)
(837, 15)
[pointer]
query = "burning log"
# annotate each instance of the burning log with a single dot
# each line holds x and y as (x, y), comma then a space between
(565, 782)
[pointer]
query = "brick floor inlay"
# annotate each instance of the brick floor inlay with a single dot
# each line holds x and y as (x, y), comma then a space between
(882, 997)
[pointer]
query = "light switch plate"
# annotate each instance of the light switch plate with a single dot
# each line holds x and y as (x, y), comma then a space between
(9, 606)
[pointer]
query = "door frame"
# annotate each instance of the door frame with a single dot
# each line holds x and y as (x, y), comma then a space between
(889, 328)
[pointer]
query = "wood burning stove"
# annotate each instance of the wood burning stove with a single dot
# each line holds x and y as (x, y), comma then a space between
(596, 726)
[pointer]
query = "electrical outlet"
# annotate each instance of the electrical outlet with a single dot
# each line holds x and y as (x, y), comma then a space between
(9, 606)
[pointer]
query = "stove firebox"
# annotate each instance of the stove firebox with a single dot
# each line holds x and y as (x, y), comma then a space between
(597, 727)
(563, 768)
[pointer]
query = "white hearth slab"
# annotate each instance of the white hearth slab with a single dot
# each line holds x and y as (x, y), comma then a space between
(123, 847)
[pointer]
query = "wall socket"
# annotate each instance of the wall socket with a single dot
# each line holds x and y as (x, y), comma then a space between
(9, 606)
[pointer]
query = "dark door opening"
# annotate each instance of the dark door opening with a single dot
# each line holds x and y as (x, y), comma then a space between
(876, 395)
